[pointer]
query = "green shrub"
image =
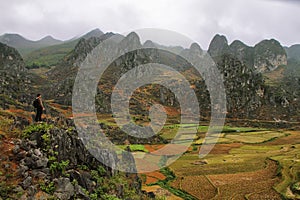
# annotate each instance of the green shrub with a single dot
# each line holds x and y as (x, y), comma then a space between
(49, 188)
(83, 167)
(5, 190)
(110, 197)
(59, 167)
(42, 128)
(94, 196)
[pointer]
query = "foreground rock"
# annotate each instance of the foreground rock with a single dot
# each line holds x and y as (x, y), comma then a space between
(53, 163)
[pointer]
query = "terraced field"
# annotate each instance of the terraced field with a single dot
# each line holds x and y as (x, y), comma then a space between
(252, 165)
(245, 163)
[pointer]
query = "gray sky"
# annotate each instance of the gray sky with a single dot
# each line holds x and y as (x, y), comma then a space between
(249, 21)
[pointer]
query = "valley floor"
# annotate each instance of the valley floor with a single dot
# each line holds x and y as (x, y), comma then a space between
(244, 164)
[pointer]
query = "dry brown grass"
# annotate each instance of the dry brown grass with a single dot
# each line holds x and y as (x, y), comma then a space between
(9, 174)
(198, 186)
(253, 185)
(66, 111)
(224, 148)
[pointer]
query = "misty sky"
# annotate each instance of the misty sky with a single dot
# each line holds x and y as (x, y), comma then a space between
(249, 21)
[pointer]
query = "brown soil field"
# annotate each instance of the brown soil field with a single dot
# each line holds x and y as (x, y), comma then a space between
(198, 186)
(153, 177)
(154, 147)
(224, 148)
(253, 185)
(160, 192)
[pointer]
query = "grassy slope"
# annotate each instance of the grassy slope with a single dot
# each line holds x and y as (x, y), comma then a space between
(49, 56)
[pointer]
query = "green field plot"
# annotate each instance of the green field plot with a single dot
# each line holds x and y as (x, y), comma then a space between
(135, 147)
(255, 137)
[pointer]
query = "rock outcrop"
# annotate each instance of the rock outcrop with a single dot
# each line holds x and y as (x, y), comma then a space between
(265, 56)
(54, 163)
(269, 55)
(62, 77)
(219, 46)
(15, 81)
(242, 67)
(243, 52)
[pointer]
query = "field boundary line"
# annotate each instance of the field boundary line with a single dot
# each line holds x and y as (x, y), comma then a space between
(216, 188)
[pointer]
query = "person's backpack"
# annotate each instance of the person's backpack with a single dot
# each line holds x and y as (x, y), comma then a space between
(35, 103)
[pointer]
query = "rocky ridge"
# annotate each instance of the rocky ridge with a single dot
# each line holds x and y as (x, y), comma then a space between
(16, 82)
(248, 96)
(52, 162)
(265, 56)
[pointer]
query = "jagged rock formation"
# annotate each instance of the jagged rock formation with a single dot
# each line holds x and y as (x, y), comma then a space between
(94, 33)
(248, 96)
(243, 52)
(240, 65)
(64, 74)
(218, 46)
(268, 55)
(244, 88)
(14, 82)
(54, 163)
(265, 56)
(11, 60)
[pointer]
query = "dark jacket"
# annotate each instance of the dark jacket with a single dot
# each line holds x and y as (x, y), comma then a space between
(40, 104)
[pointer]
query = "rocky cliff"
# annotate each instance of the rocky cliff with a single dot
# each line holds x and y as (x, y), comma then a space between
(246, 72)
(15, 81)
(243, 52)
(269, 55)
(248, 96)
(63, 75)
(52, 163)
(219, 46)
(265, 56)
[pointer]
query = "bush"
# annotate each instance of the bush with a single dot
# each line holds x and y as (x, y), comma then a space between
(48, 188)
(5, 190)
(42, 128)
(59, 167)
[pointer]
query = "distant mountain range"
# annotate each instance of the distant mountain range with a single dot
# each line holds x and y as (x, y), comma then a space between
(25, 46)
(49, 51)
(265, 56)
(261, 81)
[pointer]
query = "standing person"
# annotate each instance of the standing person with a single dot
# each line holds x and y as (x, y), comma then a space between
(38, 104)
